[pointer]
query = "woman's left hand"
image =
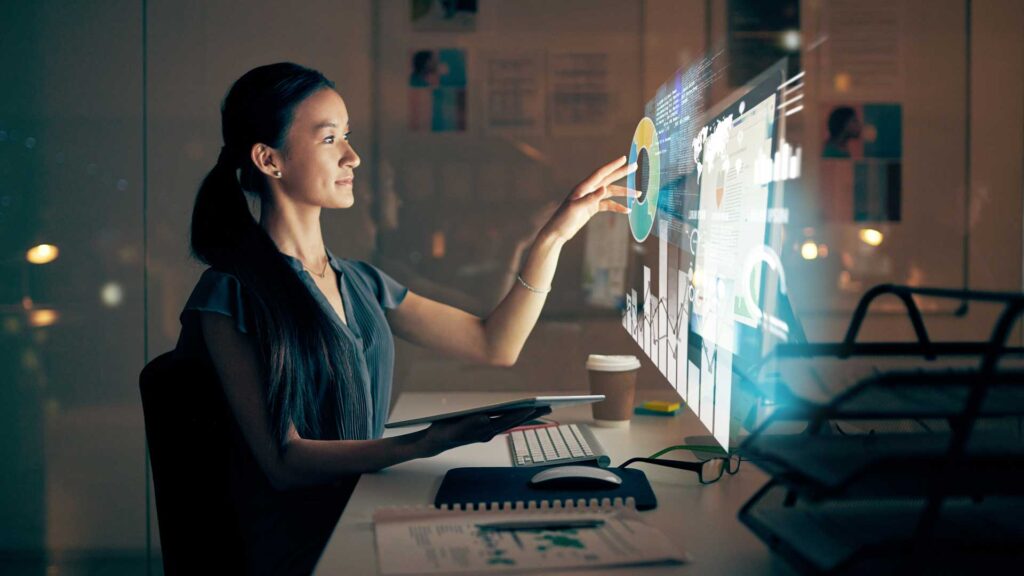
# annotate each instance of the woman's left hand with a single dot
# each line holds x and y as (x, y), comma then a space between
(591, 196)
(447, 434)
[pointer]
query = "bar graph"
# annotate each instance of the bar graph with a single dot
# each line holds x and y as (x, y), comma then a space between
(658, 322)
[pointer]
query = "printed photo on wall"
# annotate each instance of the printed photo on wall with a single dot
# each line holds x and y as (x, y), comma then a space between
(861, 166)
(437, 90)
(443, 15)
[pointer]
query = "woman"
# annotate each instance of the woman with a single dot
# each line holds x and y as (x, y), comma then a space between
(302, 341)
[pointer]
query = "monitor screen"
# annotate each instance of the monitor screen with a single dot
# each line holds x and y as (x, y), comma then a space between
(708, 203)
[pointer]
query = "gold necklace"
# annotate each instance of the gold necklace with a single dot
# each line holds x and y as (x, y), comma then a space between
(323, 273)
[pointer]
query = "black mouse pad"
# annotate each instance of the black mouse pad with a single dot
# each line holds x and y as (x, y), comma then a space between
(481, 487)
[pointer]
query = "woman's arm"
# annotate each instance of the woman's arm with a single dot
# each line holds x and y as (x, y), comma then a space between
(498, 339)
(305, 462)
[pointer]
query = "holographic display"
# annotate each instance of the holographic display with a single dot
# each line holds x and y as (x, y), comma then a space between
(646, 153)
(713, 205)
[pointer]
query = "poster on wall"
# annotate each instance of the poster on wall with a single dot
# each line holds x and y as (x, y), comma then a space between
(862, 162)
(862, 58)
(579, 93)
(437, 90)
(515, 96)
(862, 83)
(872, 215)
(443, 15)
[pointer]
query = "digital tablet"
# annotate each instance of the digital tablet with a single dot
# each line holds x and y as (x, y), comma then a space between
(498, 409)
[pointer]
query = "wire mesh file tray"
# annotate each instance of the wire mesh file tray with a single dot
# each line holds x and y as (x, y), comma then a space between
(946, 490)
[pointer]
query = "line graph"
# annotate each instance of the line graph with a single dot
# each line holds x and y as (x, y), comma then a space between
(660, 325)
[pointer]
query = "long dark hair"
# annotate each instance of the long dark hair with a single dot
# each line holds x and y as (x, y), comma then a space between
(302, 352)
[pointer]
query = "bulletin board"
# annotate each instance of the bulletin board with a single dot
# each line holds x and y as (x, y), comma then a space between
(484, 125)
(889, 205)
(910, 173)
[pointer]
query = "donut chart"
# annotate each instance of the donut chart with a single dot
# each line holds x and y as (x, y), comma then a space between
(646, 180)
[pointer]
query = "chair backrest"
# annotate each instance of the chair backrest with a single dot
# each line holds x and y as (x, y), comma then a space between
(189, 431)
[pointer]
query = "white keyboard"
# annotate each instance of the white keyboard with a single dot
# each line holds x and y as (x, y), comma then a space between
(555, 445)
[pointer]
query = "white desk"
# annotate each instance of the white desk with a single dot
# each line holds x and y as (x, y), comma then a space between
(702, 520)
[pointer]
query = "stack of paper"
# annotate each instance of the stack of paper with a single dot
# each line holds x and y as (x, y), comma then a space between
(431, 541)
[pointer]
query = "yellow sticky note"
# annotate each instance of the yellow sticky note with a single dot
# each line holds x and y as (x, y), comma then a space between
(661, 406)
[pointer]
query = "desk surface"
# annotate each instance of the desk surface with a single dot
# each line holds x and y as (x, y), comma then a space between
(701, 520)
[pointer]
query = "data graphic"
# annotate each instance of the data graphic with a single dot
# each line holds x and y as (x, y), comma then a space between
(709, 314)
(732, 216)
(646, 153)
(659, 322)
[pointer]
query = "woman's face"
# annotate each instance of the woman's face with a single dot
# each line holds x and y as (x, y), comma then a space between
(318, 166)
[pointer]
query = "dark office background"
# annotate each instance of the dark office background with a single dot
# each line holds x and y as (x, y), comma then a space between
(109, 118)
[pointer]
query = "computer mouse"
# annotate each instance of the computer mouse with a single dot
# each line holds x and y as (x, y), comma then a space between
(576, 478)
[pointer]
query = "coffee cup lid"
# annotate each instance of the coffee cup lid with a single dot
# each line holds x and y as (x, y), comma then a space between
(603, 363)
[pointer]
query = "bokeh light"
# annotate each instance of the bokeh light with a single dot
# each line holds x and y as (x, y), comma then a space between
(437, 245)
(42, 317)
(871, 237)
(42, 254)
(791, 40)
(111, 294)
(842, 82)
(809, 250)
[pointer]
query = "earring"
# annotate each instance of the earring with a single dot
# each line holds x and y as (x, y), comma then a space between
(277, 173)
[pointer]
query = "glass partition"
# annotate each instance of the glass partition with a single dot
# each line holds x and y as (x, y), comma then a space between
(471, 130)
(72, 286)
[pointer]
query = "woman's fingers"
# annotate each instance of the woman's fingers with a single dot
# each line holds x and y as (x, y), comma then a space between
(599, 176)
(612, 206)
(613, 191)
(619, 174)
(481, 427)
(606, 182)
(513, 419)
(616, 191)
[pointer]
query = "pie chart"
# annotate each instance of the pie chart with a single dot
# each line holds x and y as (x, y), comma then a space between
(646, 180)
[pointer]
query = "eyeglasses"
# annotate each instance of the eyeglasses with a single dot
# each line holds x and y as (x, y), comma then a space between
(708, 471)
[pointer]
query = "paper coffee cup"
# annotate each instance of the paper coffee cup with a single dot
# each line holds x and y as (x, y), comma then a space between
(615, 377)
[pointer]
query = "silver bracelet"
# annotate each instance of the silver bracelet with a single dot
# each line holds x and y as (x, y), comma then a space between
(531, 288)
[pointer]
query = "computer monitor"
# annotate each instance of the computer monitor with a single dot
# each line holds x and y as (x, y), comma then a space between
(710, 201)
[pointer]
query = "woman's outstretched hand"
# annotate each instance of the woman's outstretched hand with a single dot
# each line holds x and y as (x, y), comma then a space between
(591, 196)
(446, 434)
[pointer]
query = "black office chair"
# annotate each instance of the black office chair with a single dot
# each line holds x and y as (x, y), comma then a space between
(189, 430)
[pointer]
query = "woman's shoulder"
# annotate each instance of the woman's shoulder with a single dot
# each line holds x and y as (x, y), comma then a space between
(359, 267)
(220, 292)
(214, 284)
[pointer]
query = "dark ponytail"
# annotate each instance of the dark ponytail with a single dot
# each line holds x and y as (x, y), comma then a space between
(302, 352)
